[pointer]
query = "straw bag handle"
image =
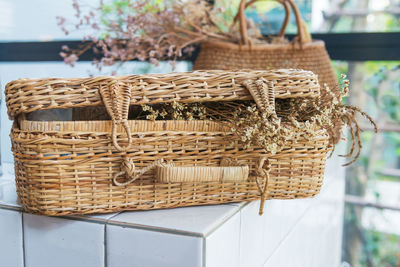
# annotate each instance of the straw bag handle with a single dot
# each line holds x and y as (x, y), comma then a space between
(285, 22)
(302, 33)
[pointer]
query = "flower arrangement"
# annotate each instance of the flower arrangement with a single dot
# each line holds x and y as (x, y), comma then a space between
(305, 116)
(290, 119)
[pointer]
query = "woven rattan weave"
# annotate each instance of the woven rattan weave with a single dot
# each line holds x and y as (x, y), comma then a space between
(302, 52)
(79, 167)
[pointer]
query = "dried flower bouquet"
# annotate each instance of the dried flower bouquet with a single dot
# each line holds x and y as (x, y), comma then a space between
(289, 119)
(150, 30)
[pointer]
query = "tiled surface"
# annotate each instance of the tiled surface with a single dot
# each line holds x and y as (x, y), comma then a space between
(60, 242)
(260, 235)
(99, 218)
(223, 245)
(252, 235)
(128, 247)
(8, 195)
(315, 240)
(234, 234)
(11, 247)
(197, 220)
(280, 217)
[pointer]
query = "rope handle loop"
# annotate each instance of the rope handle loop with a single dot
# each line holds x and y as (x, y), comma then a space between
(127, 129)
(129, 169)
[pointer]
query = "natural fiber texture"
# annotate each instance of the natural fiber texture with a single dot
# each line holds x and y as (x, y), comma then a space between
(70, 170)
(168, 173)
(27, 95)
(227, 56)
(70, 167)
(301, 53)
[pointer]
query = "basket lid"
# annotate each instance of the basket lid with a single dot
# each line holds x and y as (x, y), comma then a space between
(27, 95)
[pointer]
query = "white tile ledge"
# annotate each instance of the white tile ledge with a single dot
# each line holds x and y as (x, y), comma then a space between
(180, 221)
(199, 221)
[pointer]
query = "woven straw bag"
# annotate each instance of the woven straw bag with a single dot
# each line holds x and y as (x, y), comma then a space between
(79, 167)
(301, 53)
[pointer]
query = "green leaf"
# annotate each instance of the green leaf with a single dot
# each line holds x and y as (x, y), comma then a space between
(107, 9)
(373, 92)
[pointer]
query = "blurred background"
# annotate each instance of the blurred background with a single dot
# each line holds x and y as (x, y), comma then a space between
(371, 224)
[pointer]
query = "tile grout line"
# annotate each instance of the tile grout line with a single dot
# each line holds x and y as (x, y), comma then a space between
(240, 236)
(105, 239)
(118, 213)
(23, 239)
(109, 221)
(10, 207)
(239, 210)
(105, 245)
(154, 229)
(284, 238)
(226, 219)
(203, 253)
(115, 223)
(292, 229)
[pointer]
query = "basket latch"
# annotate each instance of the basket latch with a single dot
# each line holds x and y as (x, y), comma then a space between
(116, 99)
(263, 94)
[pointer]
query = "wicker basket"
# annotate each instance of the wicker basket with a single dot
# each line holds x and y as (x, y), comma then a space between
(302, 52)
(79, 167)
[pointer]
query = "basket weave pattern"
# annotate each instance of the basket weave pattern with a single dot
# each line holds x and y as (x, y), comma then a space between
(302, 53)
(68, 167)
(224, 56)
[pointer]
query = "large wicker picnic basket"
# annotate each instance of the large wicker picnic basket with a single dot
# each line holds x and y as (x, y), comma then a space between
(80, 167)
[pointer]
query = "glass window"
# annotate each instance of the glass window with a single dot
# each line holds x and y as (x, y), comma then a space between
(323, 16)
(355, 16)
(371, 234)
(26, 20)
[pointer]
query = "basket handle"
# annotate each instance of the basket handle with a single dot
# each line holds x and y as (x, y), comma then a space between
(230, 170)
(169, 173)
(302, 33)
(285, 22)
(116, 99)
